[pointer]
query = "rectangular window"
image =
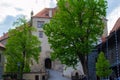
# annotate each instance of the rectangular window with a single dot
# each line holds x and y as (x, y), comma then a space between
(40, 48)
(36, 77)
(40, 24)
(40, 34)
(0, 58)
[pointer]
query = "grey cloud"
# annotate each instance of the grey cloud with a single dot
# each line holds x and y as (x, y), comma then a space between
(7, 23)
(5, 5)
(18, 9)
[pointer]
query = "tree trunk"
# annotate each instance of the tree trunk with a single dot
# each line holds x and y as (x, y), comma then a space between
(23, 64)
(83, 60)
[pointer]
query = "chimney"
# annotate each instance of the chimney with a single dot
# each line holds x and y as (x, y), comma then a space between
(31, 18)
(50, 12)
(3, 34)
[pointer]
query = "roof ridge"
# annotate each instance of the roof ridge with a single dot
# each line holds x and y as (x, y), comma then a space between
(2, 46)
(116, 25)
(45, 11)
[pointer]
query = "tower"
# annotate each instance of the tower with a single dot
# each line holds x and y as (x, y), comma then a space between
(52, 4)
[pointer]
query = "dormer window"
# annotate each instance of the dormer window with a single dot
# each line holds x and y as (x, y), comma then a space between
(40, 24)
(46, 14)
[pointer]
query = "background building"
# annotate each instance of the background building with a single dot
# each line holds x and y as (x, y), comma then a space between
(111, 48)
(45, 61)
(2, 48)
(38, 21)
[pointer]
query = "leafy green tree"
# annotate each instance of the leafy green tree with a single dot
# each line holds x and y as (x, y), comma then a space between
(103, 66)
(74, 29)
(21, 47)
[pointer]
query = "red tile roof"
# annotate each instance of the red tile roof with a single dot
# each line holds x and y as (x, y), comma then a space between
(116, 26)
(42, 14)
(2, 46)
(5, 36)
(45, 13)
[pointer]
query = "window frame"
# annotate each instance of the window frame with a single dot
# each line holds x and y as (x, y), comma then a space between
(40, 34)
(40, 24)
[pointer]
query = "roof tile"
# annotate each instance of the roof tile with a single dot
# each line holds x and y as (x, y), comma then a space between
(45, 13)
(5, 35)
(116, 26)
(2, 46)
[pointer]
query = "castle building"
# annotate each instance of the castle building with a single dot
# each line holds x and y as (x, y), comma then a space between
(38, 21)
(45, 62)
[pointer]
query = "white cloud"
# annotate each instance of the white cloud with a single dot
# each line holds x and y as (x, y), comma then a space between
(26, 5)
(112, 17)
(9, 7)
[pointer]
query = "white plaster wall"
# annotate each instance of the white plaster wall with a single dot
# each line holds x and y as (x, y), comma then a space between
(67, 72)
(45, 52)
(31, 76)
(45, 47)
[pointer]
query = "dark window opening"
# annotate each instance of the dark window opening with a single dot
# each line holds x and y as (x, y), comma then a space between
(40, 24)
(37, 77)
(41, 34)
(76, 74)
(43, 77)
(48, 63)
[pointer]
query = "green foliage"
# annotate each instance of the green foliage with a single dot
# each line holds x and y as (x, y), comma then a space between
(102, 66)
(21, 47)
(74, 29)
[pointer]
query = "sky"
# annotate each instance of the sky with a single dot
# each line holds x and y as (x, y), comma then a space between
(10, 10)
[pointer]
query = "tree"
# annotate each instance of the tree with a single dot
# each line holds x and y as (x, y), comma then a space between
(21, 47)
(102, 66)
(74, 29)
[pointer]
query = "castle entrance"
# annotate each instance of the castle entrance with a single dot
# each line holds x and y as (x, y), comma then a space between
(48, 63)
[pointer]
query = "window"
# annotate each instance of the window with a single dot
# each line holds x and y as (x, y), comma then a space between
(40, 48)
(40, 34)
(40, 24)
(0, 58)
(43, 77)
(36, 77)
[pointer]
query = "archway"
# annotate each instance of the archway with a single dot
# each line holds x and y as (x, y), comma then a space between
(77, 75)
(48, 63)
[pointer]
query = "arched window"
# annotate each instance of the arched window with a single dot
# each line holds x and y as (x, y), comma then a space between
(48, 63)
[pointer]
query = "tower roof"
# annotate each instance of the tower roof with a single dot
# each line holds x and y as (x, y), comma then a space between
(45, 13)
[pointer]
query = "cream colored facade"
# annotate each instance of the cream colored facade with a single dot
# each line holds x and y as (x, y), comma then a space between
(35, 76)
(45, 48)
(45, 51)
